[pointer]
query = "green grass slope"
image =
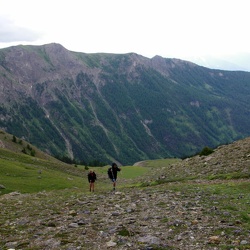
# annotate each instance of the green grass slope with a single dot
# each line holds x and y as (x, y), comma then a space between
(22, 172)
(25, 173)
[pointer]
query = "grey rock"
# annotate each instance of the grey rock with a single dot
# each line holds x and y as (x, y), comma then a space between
(149, 239)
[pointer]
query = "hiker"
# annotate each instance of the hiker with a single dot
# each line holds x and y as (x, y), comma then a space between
(112, 173)
(91, 179)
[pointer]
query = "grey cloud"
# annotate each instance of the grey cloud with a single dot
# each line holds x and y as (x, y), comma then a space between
(9, 32)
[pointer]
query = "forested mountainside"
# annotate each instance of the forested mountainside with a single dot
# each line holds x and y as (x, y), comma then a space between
(119, 107)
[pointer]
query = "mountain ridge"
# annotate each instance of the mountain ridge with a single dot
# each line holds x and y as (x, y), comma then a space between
(118, 107)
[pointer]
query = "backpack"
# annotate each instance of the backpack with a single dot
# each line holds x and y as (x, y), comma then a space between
(110, 173)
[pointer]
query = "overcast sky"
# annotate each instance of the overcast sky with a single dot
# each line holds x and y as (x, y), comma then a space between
(169, 28)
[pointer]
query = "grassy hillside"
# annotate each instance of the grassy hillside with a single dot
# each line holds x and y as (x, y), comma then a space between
(24, 173)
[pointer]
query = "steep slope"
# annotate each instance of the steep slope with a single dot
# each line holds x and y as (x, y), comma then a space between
(26, 169)
(16, 145)
(118, 107)
(226, 162)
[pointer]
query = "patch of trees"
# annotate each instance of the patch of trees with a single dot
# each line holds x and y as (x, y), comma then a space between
(68, 160)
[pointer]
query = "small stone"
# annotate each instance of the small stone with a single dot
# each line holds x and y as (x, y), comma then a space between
(194, 222)
(149, 239)
(214, 240)
(111, 244)
(72, 213)
(244, 242)
(73, 225)
(115, 214)
(11, 245)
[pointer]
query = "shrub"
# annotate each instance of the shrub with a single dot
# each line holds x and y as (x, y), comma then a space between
(24, 151)
(14, 139)
(33, 152)
(206, 151)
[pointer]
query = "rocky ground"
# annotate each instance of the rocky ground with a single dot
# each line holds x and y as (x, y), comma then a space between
(155, 217)
(192, 210)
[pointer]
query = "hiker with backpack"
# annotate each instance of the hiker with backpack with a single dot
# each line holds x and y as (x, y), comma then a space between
(91, 179)
(112, 173)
